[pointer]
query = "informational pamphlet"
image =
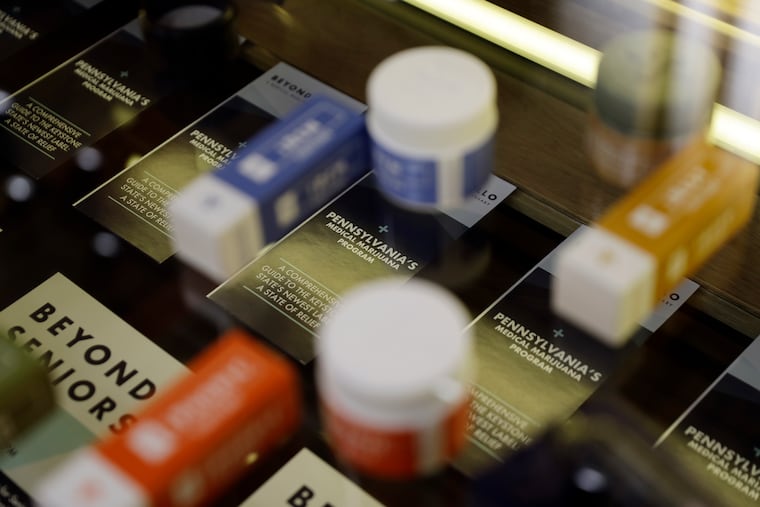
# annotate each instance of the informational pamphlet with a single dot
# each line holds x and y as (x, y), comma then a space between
(718, 437)
(133, 204)
(45, 123)
(308, 480)
(288, 291)
(535, 369)
(22, 23)
(101, 369)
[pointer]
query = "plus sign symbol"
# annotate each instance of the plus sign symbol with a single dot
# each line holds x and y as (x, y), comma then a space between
(90, 492)
(211, 201)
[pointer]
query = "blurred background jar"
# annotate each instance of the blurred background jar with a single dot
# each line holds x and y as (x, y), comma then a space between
(654, 96)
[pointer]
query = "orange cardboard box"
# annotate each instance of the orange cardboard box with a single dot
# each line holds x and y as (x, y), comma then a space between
(686, 210)
(611, 276)
(193, 440)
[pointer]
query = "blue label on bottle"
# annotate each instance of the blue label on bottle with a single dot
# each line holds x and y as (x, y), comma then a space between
(407, 179)
(416, 180)
(478, 165)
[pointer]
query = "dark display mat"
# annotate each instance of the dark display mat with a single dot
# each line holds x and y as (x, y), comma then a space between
(166, 302)
(37, 36)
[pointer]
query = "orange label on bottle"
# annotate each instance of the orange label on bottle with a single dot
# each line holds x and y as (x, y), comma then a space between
(396, 453)
(241, 400)
(686, 210)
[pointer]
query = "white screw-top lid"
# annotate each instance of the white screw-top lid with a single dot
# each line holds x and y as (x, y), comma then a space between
(432, 97)
(397, 344)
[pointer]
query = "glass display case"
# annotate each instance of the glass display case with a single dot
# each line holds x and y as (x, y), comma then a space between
(98, 136)
(546, 56)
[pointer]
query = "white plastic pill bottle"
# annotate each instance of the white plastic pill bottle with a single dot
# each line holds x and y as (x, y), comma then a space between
(431, 120)
(393, 373)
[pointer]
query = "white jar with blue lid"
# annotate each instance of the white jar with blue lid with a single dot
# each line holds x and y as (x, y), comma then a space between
(432, 118)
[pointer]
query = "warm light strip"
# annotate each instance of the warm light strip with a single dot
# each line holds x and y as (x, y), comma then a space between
(526, 38)
(729, 129)
(716, 24)
(735, 132)
(736, 8)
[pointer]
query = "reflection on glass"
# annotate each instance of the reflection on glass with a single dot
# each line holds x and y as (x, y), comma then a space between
(190, 16)
(654, 96)
(106, 244)
(730, 130)
(519, 35)
(708, 17)
(89, 159)
(590, 480)
(132, 159)
(19, 188)
(4, 105)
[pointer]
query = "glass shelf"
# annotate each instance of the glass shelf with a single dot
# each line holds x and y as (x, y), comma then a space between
(543, 106)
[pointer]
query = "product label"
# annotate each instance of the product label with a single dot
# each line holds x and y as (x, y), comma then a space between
(241, 401)
(427, 181)
(535, 369)
(101, 370)
(717, 436)
(287, 292)
(45, 123)
(686, 210)
(395, 453)
(133, 204)
(300, 163)
(21, 23)
(408, 179)
(308, 480)
(477, 166)
(283, 87)
(309, 134)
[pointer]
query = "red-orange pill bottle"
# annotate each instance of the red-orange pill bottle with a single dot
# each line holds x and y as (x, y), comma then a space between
(394, 368)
